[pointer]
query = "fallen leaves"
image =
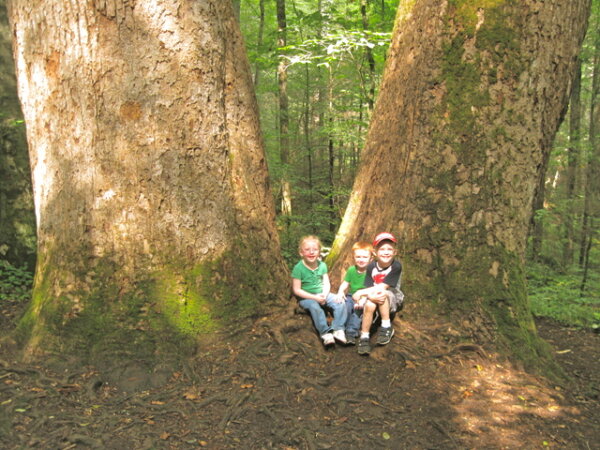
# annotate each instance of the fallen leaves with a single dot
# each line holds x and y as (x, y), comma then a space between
(190, 395)
(69, 388)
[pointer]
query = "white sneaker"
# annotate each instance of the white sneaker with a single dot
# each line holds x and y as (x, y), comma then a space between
(328, 339)
(340, 336)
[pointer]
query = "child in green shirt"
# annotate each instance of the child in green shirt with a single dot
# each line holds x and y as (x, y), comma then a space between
(311, 286)
(354, 279)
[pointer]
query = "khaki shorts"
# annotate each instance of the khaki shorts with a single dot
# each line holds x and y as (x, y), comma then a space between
(396, 299)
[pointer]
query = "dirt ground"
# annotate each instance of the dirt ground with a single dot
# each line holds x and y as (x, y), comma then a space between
(422, 391)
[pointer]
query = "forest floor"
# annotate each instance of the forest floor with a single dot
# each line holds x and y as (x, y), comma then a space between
(421, 391)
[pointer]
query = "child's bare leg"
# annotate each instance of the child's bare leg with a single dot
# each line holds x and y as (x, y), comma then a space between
(367, 320)
(384, 310)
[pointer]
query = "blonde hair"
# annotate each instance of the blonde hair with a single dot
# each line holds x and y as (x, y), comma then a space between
(362, 245)
(309, 238)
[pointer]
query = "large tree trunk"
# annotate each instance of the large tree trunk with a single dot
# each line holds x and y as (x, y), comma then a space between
(155, 220)
(472, 95)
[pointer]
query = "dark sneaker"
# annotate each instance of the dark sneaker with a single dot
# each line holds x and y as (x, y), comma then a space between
(364, 346)
(351, 340)
(385, 335)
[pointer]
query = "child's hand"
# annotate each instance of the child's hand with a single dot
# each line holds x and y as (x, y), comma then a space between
(340, 297)
(378, 296)
(361, 303)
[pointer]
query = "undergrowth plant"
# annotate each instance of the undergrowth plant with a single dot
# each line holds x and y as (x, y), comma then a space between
(558, 296)
(15, 283)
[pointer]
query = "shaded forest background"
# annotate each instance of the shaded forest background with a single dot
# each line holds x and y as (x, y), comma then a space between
(316, 69)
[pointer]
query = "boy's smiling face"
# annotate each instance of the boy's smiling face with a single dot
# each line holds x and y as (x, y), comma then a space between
(362, 258)
(385, 254)
(310, 252)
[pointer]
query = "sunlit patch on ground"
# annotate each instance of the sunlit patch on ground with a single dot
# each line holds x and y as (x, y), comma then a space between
(495, 400)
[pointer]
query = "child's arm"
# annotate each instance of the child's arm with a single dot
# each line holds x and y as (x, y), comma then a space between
(374, 293)
(364, 292)
(299, 292)
(378, 295)
(326, 285)
(342, 290)
(327, 289)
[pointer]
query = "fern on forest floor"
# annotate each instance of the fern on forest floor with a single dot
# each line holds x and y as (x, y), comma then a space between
(558, 295)
(15, 282)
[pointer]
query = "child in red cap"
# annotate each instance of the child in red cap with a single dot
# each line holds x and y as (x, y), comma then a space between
(381, 293)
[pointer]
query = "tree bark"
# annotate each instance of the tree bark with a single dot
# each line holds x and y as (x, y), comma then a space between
(155, 220)
(472, 95)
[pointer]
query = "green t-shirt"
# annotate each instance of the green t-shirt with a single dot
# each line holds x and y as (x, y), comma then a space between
(311, 280)
(356, 280)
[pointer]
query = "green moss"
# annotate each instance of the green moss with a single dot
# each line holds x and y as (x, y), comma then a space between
(490, 26)
(464, 96)
(499, 37)
(465, 12)
(40, 301)
(181, 303)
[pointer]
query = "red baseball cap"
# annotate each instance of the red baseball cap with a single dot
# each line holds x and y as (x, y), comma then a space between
(385, 236)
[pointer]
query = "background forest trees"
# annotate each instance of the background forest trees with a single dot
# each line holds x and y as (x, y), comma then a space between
(333, 58)
(563, 254)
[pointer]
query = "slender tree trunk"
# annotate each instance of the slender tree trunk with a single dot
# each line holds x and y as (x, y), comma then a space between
(331, 156)
(155, 220)
(370, 58)
(284, 140)
(537, 224)
(470, 102)
(572, 165)
(308, 143)
(591, 206)
(259, 40)
(586, 262)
